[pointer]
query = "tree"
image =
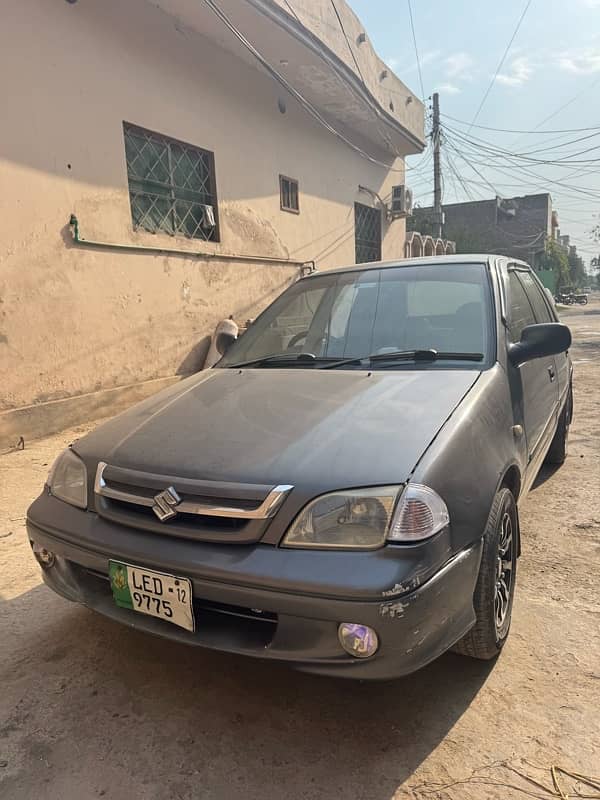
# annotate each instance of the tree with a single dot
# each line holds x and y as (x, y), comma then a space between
(556, 260)
(576, 270)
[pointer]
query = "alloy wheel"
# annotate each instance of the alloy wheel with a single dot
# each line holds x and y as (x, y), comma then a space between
(504, 574)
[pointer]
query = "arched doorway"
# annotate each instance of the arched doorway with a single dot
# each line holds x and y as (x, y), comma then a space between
(416, 246)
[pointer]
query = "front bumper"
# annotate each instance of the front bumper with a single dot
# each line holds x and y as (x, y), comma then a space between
(255, 615)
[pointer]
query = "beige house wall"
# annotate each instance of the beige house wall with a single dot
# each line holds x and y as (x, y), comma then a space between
(74, 320)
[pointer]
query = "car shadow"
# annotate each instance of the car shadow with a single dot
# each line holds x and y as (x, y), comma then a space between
(142, 710)
(194, 360)
(545, 473)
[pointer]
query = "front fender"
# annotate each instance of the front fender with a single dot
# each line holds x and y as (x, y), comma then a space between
(470, 456)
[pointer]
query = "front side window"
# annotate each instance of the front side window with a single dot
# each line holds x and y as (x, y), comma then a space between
(521, 313)
(536, 298)
(447, 308)
(172, 185)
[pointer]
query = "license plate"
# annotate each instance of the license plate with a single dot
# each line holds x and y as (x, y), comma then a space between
(154, 593)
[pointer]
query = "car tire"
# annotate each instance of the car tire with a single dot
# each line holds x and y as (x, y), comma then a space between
(559, 447)
(494, 592)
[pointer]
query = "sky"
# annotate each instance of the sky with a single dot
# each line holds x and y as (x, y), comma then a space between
(554, 61)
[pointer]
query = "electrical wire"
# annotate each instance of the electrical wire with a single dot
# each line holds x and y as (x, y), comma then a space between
(292, 11)
(563, 106)
(509, 130)
(499, 67)
(306, 104)
(513, 162)
(491, 148)
(381, 132)
(471, 165)
(412, 27)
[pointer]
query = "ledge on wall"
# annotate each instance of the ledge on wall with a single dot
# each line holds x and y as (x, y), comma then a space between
(43, 419)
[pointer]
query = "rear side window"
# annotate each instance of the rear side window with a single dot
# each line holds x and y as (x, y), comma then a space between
(521, 313)
(536, 298)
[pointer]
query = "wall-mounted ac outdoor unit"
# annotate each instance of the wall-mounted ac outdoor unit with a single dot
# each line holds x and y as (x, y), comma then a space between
(402, 202)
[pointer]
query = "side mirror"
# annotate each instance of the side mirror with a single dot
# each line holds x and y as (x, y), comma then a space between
(224, 341)
(538, 341)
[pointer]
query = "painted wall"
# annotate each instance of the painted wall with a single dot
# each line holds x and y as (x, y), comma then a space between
(74, 321)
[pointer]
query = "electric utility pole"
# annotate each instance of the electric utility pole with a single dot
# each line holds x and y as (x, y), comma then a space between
(437, 171)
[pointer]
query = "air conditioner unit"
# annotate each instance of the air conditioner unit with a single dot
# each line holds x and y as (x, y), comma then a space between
(402, 202)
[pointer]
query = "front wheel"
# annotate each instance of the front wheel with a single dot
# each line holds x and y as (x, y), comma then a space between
(559, 446)
(494, 593)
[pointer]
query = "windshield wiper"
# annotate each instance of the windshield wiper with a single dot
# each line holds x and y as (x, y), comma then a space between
(405, 355)
(279, 358)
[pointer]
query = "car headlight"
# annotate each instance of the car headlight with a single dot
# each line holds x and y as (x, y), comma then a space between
(67, 479)
(364, 519)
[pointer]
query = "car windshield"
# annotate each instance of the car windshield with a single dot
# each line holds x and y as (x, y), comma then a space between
(356, 314)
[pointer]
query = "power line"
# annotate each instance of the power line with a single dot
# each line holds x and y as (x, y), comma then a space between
(563, 106)
(499, 152)
(536, 145)
(499, 67)
(513, 160)
(306, 104)
(511, 130)
(382, 133)
(456, 177)
(536, 185)
(289, 5)
(470, 164)
(412, 27)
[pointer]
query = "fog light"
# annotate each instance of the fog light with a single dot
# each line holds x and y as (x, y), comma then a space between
(45, 558)
(359, 641)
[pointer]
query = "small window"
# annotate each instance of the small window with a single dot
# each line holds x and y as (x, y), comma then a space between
(536, 298)
(288, 192)
(521, 313)
(172, 186)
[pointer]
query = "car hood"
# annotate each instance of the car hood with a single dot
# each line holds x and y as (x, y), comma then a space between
(318, 428)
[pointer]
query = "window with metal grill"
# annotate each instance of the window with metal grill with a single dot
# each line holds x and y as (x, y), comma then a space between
(172, 186)
(367, 233)
(288, 192)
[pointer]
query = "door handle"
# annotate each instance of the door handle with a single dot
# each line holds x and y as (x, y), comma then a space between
(551, 373)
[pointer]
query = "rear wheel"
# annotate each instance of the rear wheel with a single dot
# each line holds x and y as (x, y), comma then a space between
(494, 593)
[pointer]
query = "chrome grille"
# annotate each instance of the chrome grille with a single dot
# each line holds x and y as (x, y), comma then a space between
(207, 510)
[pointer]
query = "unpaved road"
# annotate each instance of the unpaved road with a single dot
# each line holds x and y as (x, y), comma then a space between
(91, 709)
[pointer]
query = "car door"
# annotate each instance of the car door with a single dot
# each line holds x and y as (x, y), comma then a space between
(545, 313)
(538, 377)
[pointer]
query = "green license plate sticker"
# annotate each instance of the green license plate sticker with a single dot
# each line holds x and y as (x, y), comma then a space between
(156, 594)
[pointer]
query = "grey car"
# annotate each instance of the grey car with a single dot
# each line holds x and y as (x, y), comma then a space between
(340, 492)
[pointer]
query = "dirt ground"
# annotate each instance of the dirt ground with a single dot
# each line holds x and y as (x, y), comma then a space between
(91, 709)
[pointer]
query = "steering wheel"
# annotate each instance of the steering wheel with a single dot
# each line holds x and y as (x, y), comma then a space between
(296, 339)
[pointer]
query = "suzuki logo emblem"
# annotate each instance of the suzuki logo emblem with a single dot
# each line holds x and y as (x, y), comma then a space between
(165, 503)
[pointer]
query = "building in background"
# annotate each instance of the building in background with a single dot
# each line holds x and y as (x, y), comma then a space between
(159, 175)
(519, 227)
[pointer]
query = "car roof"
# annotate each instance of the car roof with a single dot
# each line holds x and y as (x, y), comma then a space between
(450, 260)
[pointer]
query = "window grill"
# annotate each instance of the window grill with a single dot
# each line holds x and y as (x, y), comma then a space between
(172, 185)
(367, 233)
(288, 192)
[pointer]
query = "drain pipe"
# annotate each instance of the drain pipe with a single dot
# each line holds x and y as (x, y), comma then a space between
(306, 267)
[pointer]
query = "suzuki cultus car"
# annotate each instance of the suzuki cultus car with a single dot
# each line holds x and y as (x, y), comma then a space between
(340, 492)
